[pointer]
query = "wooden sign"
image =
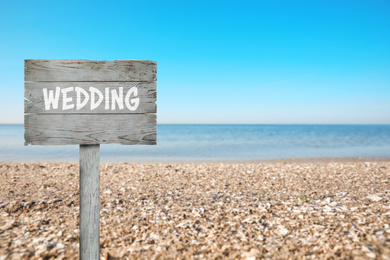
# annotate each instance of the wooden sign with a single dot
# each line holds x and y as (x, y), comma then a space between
(90, 102)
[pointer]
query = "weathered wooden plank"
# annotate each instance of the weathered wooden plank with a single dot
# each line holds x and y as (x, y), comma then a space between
(89, 201)
(59, 129)
(37, 94)
(87, 70)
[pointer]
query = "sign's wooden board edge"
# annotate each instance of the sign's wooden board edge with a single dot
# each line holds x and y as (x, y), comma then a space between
(71, 129)
(89, 70)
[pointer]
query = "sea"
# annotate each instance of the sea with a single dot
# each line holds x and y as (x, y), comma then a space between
(218, 143)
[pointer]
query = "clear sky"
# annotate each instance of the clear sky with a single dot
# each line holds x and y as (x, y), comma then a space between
(255, 62)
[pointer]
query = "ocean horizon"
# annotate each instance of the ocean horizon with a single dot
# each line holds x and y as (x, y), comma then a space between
(217, 143)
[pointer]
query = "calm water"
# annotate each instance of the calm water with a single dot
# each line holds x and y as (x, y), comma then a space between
(219, 143)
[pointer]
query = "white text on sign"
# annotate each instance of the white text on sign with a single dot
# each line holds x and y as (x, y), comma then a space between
(111, 97)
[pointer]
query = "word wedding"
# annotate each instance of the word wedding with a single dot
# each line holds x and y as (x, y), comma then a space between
(111, 98)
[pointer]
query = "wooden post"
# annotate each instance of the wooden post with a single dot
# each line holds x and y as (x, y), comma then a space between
(89, 202)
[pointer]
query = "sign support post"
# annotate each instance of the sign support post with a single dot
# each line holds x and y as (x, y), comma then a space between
(89, 202)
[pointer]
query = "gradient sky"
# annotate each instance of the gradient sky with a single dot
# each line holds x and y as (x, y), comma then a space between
(255, 62)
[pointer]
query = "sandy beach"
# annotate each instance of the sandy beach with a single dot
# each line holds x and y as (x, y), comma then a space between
(315, 209)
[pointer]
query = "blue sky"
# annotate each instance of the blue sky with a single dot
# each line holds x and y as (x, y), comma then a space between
(255, 62)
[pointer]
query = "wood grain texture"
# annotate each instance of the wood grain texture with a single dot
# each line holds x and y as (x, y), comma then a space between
(34, 98)
(59, 129)
(87, 70)
(89, 202)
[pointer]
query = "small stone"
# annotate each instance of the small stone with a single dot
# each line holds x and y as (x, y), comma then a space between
(282, 231)
(18, 242)
(15, 206)
(374, 197)
(39, 240)
(60, 246)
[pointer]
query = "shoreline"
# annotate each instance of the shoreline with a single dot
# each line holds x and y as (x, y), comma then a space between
(228, 161)
(294, 208)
